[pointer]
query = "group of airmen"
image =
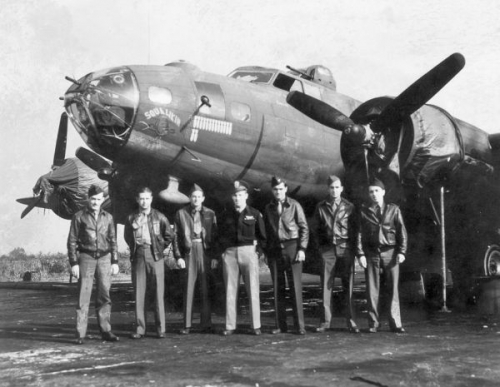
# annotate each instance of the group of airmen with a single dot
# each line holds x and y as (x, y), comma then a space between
(374, 234)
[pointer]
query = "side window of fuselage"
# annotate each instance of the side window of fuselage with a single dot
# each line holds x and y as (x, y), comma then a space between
(240, 111)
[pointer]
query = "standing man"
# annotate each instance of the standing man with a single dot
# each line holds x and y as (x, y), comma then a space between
(196, 228)
(288, 236)
(381, 247)
(242, 232)
(333, 229)
(92, 234)
(148, 234)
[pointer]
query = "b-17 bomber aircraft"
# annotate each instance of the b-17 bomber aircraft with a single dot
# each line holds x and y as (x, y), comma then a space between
(170, 126)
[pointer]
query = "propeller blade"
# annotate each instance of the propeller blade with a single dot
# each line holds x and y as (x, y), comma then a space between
(367, 166)
(62, 138)
(31, 205)
(319, 111)
(420, 92)
(91, 159)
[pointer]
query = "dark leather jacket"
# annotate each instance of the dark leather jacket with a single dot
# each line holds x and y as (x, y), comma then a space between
(241, 229)
(90, 236)
(374, 234)
(184, 223)
(331, 228)
(159, 229)
(292, 224)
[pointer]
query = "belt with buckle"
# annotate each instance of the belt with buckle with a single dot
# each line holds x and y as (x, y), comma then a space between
(197, 240)
(95, 254)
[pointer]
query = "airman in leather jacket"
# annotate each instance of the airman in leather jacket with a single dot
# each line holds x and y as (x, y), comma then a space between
(332, 228)
(159, 229)
(292, 224)
(91, 236)
(377, 233)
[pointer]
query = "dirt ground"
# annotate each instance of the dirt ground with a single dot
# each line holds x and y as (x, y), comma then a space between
(461, 348)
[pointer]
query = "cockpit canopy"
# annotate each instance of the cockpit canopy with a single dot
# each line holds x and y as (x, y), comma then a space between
(317, 74)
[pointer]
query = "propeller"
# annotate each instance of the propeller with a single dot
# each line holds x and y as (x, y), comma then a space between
(59, 158)
(420, 92)
(410, 100)
(32, 204)
(91, 159)
(62, 139)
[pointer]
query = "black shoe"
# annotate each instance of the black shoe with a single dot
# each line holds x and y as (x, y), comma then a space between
(301, 332)
(321, 329)
(227, 332)
(354, 330)
(79, 341)
(372, 330)
(278, 331)
(136, 336)
(161, 335)
(185, 331)
(256, 332)
(108, 336)
(398, 330)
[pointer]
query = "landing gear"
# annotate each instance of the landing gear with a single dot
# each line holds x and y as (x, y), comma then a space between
(492, 261)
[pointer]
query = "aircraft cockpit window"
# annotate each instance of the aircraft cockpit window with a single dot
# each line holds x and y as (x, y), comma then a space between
(284, 82)
(252, 76)
(159, 95)
(240, 111)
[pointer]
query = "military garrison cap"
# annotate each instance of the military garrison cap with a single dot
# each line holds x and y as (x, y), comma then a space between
(332, 179)
(195, 188)
(277, 181)
(239, 186)
(375, 182)
(94, 190)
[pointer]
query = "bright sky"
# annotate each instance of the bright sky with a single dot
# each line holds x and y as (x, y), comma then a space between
(373, 48)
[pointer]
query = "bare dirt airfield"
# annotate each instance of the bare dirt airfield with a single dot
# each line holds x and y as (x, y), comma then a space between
(461, 348)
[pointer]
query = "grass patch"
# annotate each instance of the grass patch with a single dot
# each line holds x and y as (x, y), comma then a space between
(19, 265)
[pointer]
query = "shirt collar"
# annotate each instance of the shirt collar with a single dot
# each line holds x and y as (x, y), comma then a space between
(193, 210)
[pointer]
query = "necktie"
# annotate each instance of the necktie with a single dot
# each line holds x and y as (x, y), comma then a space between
(280, 207)
(378, 212)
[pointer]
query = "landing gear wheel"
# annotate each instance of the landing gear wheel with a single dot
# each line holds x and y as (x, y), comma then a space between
(492, 261)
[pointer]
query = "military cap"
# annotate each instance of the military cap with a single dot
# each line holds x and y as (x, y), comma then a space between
(277, 181)
(239, 186)
(375, 182)
(332, 179)
(195, 188)
(94, 190)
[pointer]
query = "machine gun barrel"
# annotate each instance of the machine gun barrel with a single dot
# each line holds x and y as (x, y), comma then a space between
(306, 76)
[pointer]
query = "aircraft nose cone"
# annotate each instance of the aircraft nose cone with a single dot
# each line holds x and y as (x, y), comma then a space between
(102, 106)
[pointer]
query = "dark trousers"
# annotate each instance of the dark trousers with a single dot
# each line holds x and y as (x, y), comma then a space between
(282, 265)
(197, 265)
(101, 268)
(148, 277)
(337, 262)
(382, 265)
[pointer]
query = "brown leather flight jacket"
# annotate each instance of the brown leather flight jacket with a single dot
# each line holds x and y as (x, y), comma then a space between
(292, 224)
(91, 236)
(329, 228)
(159, 229)
(184, 223)
(386, 232)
